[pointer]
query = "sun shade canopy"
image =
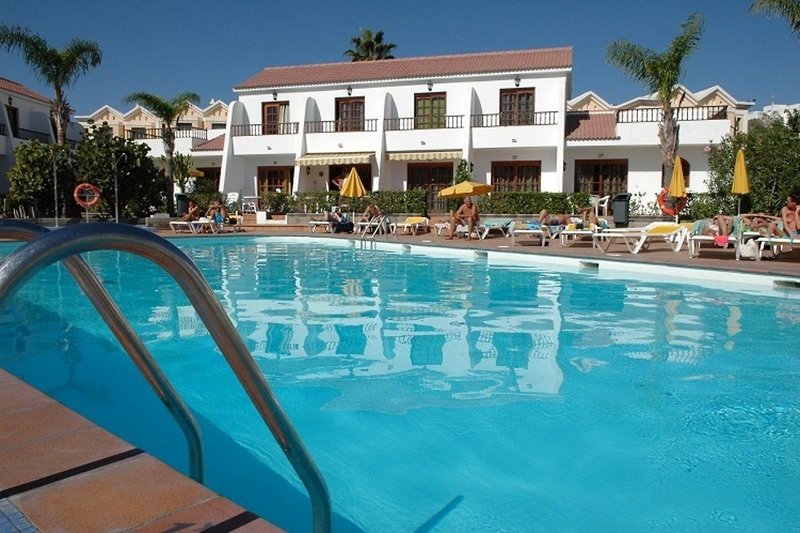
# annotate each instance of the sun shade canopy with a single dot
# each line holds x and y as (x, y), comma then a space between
(450, 155)
(354, 158)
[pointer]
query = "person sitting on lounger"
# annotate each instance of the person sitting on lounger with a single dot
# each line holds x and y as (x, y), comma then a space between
(789, 222)
(467, 215)
(372, 211)
(192, 212)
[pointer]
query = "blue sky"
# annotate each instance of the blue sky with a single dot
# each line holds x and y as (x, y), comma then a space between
(169, 46)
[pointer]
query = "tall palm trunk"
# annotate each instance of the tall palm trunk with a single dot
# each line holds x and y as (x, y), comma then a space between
(668, 135)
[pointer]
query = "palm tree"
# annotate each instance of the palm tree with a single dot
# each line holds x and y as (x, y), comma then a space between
(788, 9)
(369, 47)
(169, 111)
(57, 68)
(661, 73)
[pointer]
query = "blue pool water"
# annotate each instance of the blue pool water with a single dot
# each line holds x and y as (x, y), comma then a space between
(442, 394)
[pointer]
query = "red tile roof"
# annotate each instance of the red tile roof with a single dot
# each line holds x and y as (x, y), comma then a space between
(18, 88)
(414, 67)
(591, 126)
(217, 143)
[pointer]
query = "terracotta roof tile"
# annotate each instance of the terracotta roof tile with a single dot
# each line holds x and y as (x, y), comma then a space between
(18, 88)
(414, 67)
(217, 143)
(591, 126)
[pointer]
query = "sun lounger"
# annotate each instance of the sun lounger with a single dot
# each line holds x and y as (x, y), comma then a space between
(324, 224)
(640, 239)
(495, 225)
(695, 242)
(776, 245)
(200, 226)
(180, 226)
(411, 225)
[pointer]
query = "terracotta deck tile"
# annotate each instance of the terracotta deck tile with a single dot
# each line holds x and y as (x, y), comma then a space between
(207, 514)
(123, 495)
(44, 419)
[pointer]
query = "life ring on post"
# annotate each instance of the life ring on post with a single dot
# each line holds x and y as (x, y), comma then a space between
(86, 195)
(668, 205)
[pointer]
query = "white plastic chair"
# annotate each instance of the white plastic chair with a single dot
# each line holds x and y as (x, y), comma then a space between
(232, 199)
(600, 205)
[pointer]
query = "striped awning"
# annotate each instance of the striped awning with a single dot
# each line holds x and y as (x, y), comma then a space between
(446, 155)
(352, 158)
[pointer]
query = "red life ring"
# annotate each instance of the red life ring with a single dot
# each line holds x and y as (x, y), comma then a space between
(86, 195)
(673, 208)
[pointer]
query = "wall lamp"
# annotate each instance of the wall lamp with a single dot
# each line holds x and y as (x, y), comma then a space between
(516, 81)
(430, 85)
(349, 90)
(274, 95)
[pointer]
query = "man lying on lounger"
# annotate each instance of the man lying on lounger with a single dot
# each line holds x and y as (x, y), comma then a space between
(467, 215)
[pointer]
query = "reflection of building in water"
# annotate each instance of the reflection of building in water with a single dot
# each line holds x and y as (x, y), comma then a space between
(491, 331)
(495, 323)
(641, 322)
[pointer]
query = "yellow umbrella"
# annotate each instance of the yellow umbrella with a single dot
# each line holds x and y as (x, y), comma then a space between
(465, 188)
(677, 185)
(194, 173)
(740, 183)
(352, 186)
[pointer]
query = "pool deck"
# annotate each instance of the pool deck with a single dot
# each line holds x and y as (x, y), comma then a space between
(710, 257)
(58, 471)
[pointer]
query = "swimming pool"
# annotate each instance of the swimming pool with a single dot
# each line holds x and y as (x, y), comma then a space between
(447, 392)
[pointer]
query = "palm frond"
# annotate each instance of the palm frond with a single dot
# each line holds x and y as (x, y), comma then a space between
(788, 9)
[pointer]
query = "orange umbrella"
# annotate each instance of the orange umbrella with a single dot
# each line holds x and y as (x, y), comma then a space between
(741, 186)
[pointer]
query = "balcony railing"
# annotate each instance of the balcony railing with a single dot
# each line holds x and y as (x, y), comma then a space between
(272, 128)
(29, 135)
(155, 133)
(653, 114)
(540, 118)
(335, 126)
(424, 123)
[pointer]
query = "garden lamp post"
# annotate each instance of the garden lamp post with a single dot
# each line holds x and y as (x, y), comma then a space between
(55, 184)
(116, 186)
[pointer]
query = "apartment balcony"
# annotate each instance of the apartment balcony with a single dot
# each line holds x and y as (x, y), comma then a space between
(516, 130)
(29, 135)
(332, 136)
(141, 134)
(260, 139)
(698, 124)
(430, 133)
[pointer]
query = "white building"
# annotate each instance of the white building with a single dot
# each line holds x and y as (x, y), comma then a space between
(406, 123)
(24, 116)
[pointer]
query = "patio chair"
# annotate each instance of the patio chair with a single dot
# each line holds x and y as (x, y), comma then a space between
(638, 239)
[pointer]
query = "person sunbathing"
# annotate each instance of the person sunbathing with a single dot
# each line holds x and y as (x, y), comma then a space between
(546, 219)
(467, 215)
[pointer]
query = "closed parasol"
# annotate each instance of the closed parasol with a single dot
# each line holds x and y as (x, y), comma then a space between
(741, 186)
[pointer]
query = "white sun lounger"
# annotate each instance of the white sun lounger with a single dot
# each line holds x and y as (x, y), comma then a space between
(181, 226)
(640, 239)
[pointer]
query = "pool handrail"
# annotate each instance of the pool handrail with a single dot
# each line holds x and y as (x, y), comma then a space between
(61, 244)
(108, 310)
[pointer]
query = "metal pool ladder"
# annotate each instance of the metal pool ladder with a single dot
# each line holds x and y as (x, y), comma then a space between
(47, 247)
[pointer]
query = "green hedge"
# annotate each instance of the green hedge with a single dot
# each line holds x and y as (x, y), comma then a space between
(317, 202)
(532, 202)
(414, 202)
